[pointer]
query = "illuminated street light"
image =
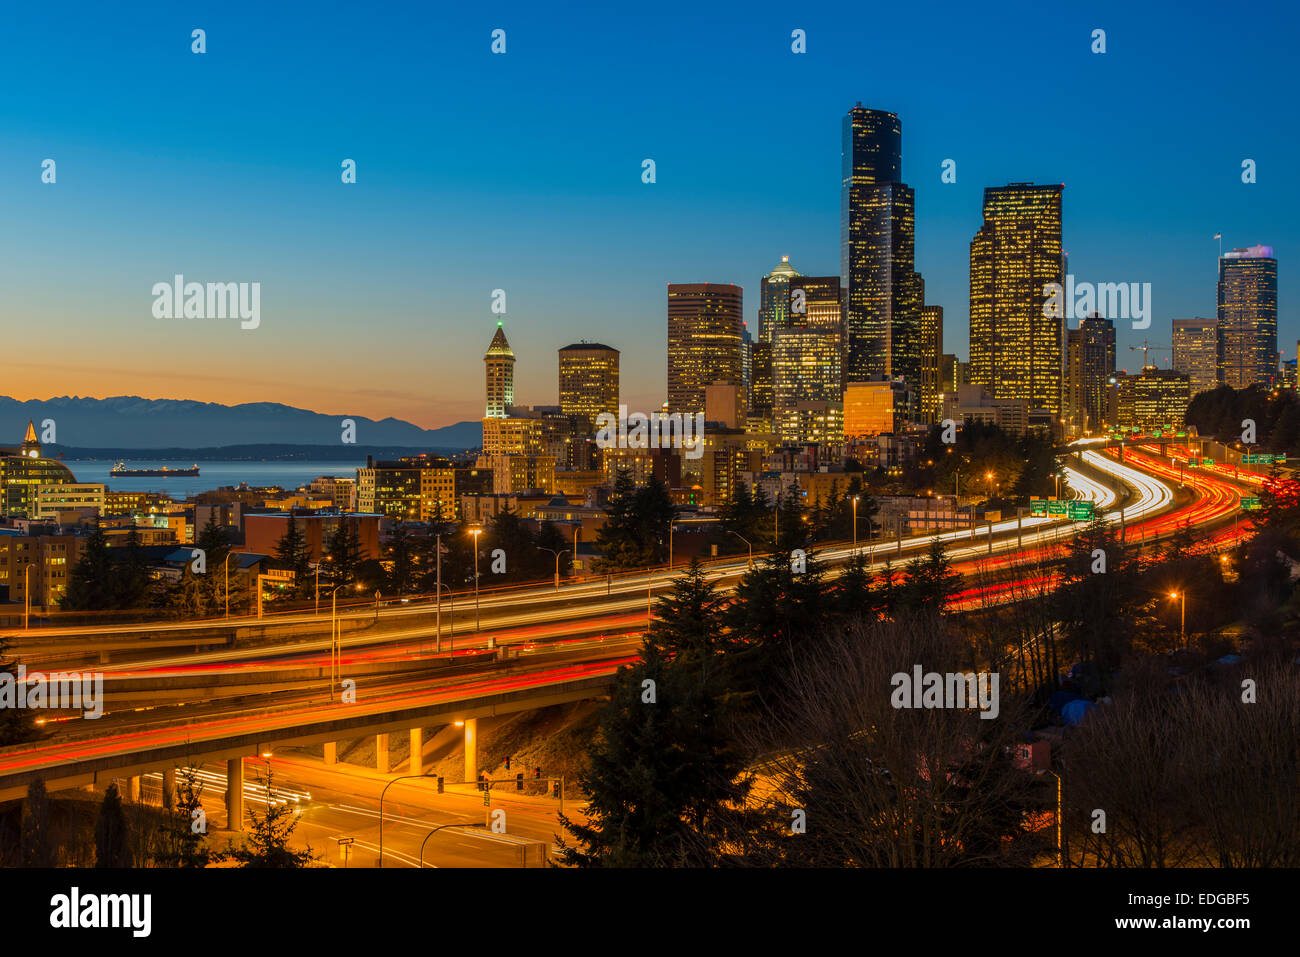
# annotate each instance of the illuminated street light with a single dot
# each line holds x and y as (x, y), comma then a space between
(476, 532)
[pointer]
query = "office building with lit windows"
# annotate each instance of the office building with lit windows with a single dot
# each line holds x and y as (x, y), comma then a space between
(23, 472)
(1153, 400)
(774, 299)
(881, 291)
(1016, 340)
(588, 383)
(704, 341)
(805, 368)
(1196, 352)
(1248, 317)
(930, 341)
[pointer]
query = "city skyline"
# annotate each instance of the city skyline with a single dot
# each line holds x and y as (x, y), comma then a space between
(415, 250)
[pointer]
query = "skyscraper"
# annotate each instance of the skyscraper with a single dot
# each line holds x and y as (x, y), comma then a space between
(1196, 352)
(588, 383)
(806, 369)
(931, 353)
(774, 299)
(500, 362)
(1090, 361)
(704, 341)
(1016, 342)
(1248, 317)
(882, 296)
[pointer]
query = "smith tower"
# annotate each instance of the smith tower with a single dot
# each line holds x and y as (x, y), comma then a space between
(500, 362)
(881, 290)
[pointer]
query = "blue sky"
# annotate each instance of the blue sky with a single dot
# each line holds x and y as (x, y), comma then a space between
(522, 171)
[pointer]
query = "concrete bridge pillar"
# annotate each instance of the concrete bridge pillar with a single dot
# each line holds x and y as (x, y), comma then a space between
(168, 787)
(331, 752)
(471, 750)
(381, 753)
(235, 794)
(417, 751)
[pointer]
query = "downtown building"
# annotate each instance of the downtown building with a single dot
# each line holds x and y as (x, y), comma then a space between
(705, 323)
(514, 447)
(1248, 317)
(1016, 340)
(1196, 352)
(882, 293)
(588, 389)
(1089, 364)
(1154, 400)
(24, 472)
(807, 379)
(930, 399)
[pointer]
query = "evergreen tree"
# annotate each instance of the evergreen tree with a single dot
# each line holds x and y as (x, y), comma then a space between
(688, 619)
(344, 553)
(292, 553)
(132, 581)
(17, 725)
(38, 846)
(92, 582)
(929, 581)
(401, 561)
(665, 780)
(112, 839)
(270, 833)
(619, 539)
(184, 842)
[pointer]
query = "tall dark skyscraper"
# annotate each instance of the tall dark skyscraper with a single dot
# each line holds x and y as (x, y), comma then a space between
(704, 341)
(1248, 317)
(1089, 363)
(929, 404)
(1016, 345)
(882, 292)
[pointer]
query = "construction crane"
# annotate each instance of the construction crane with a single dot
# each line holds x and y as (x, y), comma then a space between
(1148, 348)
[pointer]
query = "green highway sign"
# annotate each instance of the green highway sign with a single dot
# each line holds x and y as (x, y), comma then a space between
(1207, 461)
(1255, 459)
(1280, 459)
(1080, 511)
(1056, 507)
(1250, 503)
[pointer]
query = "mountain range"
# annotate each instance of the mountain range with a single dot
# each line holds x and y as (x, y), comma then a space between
(131, 422)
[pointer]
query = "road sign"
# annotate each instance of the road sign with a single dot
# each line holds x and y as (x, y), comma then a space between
(1080, 511)
(1057, 507)
(1250, 503)
(1037, 508)
(1280, 459)
(1207, 461)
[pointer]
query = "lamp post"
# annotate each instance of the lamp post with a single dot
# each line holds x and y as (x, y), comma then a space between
(436, 830)
(335, 643)
(671, 527)
(1060, 849)
(1182, 614)
(476, 532)
(557, 555)
(855, 525)
(225, 567)
(747, 545)
(27, 595)
(403, 777)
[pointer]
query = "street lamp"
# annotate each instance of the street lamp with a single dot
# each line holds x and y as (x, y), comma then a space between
(404, 777)
(439, 828)
(336, 643)
(1060, 849)
(1182, 614)
(27, 595)
(557, 555)
(747, 545)
(476, 532)
(855, 525)
(225, 567)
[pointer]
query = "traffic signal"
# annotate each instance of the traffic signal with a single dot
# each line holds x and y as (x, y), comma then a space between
(507, 762)
(537, 773)
(439, 784)
(519, 781)
(555, 788)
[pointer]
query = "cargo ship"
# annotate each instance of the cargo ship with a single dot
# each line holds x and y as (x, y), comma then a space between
(121, 470)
